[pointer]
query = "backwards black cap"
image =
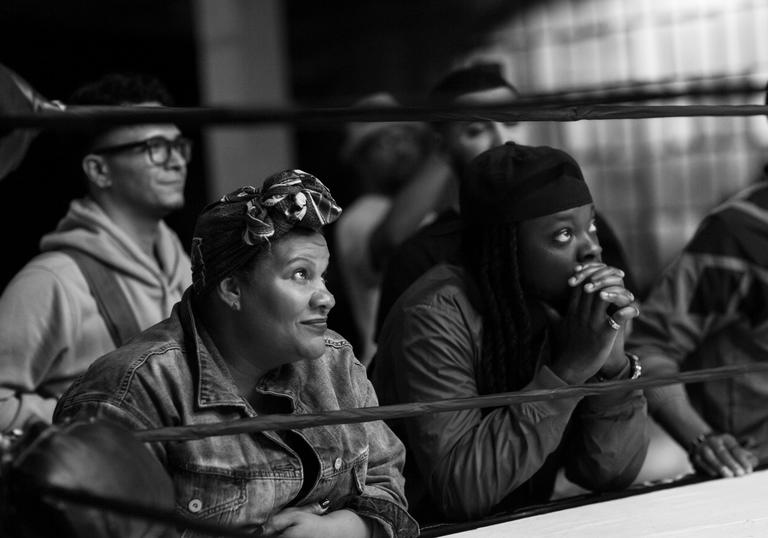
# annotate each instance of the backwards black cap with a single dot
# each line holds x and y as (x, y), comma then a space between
(474, 78)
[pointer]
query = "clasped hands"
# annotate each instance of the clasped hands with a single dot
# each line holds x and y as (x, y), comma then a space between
(588, 340)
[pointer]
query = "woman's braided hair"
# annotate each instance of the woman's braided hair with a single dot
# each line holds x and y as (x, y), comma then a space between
(508, 362)
(500, 188)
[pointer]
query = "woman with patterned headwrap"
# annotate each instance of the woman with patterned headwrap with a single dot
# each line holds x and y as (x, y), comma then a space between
(532, 306)
(250, 337)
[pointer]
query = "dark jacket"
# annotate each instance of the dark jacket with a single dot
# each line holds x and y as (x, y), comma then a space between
(469, 464)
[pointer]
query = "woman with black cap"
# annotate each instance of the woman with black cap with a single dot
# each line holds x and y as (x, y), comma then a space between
(250, 337)
(531, 307)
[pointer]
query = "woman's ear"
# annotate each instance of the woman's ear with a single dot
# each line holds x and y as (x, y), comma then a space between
(228, 291)
(96, 170)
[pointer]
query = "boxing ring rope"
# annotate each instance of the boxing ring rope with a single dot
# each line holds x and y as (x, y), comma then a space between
(388, 412)
(709, 86)
(283, 422)
(77, 118)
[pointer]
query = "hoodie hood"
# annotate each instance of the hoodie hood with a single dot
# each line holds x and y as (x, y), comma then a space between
(86, 227)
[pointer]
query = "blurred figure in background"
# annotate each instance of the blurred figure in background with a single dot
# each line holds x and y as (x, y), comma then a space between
(709, 309)
(402, 180)
(110, 269)
(460, 142)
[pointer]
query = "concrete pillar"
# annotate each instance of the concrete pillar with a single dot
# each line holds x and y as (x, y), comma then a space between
(243, 62)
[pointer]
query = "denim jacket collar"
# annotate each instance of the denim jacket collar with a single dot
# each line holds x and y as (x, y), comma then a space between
(215, 386)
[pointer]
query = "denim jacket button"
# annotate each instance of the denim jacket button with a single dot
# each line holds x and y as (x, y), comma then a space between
(337, 464)
(195, 505)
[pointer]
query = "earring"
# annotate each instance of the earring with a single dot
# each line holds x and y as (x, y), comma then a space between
(235, 305)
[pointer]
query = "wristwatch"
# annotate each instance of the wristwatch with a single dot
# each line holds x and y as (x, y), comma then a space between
(637, 368)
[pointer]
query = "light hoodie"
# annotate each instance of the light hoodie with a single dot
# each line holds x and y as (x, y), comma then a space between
(50, 327)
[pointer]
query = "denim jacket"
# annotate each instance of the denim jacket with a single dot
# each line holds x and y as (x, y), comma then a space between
(167, 376)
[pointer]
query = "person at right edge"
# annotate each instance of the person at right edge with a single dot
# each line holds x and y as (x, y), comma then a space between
(707, 309)
(531, 307)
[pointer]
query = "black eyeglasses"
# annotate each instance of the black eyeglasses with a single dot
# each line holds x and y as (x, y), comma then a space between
(159, 148)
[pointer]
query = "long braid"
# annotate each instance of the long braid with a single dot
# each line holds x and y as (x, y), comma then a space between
(492, 260)
(526, 364)
(494, 341)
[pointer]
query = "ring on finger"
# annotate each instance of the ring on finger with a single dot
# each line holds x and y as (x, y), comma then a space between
(612, 323)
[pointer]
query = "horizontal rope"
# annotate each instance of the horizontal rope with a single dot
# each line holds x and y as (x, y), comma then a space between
(648, 91)
(78, 118)
(387, 412)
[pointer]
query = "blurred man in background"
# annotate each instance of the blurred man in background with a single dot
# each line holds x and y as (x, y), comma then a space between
(402, 181)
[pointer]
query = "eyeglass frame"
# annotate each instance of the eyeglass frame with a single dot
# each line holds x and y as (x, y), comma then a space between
(146, 145)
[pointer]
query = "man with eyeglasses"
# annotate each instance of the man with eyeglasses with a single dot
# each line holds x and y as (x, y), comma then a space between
(110, 269)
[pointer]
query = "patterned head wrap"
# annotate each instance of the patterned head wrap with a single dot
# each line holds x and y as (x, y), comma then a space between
(231, 231)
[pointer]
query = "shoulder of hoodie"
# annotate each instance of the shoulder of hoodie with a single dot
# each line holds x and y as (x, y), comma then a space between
(53, 267)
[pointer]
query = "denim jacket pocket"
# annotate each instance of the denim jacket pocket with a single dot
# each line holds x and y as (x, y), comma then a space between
(209, 493)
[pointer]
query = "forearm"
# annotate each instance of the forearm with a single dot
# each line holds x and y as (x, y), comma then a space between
(475, 461)
(420, 196)
(669, 404)
(611, 441)
(672, 409)
(348, 524)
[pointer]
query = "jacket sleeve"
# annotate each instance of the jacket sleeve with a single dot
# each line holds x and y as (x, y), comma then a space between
(74, 406)
(693, 298)
(469, 461)
(610, 441)
(383, 497)
(36, 328)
